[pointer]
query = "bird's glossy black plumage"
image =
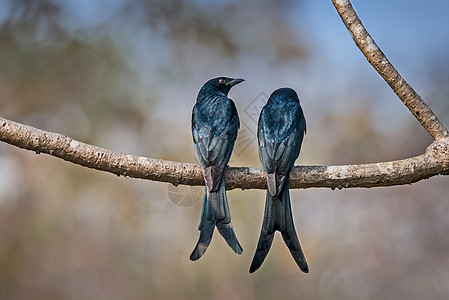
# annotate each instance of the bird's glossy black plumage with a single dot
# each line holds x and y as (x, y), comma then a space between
(215, 123)
(280, 133)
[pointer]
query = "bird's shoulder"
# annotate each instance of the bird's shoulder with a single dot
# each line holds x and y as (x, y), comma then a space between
(216, 113)
(278, 120)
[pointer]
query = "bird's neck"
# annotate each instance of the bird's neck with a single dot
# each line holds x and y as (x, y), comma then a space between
(211, 96)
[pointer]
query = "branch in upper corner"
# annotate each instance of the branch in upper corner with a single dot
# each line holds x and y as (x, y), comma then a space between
(388, 72)
(434, 162)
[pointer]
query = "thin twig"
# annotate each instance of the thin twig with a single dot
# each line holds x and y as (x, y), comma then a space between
(388, 72)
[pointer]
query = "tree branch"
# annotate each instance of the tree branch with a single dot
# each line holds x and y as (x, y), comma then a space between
(380, 63)
(435, 161)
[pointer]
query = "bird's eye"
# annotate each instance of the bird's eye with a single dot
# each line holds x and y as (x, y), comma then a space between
(222, 81)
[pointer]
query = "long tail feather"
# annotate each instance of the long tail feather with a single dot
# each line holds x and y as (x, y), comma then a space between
(224, 225)
(215, 213)
(278, 216)
(203, 242)
(287, 229)
(266, 233)
(227, 231)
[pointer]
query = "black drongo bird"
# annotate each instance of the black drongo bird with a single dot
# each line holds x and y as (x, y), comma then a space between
(280, 133)
(214, 128)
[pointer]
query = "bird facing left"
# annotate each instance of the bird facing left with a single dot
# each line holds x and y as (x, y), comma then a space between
(215, 123)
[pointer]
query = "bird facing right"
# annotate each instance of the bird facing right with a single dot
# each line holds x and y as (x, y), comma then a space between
(280, 133)
(215, 123)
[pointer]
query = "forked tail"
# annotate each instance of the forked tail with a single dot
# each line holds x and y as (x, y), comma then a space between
(278, 216)
(215, 213)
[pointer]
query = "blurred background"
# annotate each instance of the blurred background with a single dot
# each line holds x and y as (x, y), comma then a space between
(124, 75)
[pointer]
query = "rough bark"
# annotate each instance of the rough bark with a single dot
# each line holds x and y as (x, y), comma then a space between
(435, 161)
(382, 65)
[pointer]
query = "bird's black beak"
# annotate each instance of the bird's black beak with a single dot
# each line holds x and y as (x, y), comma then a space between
(235, 81)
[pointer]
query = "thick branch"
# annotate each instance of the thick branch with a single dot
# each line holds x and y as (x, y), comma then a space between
(385, 69)
(435, 161)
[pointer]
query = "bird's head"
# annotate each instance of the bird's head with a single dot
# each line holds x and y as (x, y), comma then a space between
(283, 95)
(222, 84)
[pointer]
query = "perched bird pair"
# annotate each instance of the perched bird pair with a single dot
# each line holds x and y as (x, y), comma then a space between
(281, 129)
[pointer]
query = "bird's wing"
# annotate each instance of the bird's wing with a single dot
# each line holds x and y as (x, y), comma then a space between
(279, 146)
(213, 142)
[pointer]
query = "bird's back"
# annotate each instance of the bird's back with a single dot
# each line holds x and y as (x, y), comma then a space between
(281, 130)
(214, 113)
(215, 123)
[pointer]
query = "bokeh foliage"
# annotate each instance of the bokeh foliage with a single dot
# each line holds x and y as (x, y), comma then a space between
(124, 75)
